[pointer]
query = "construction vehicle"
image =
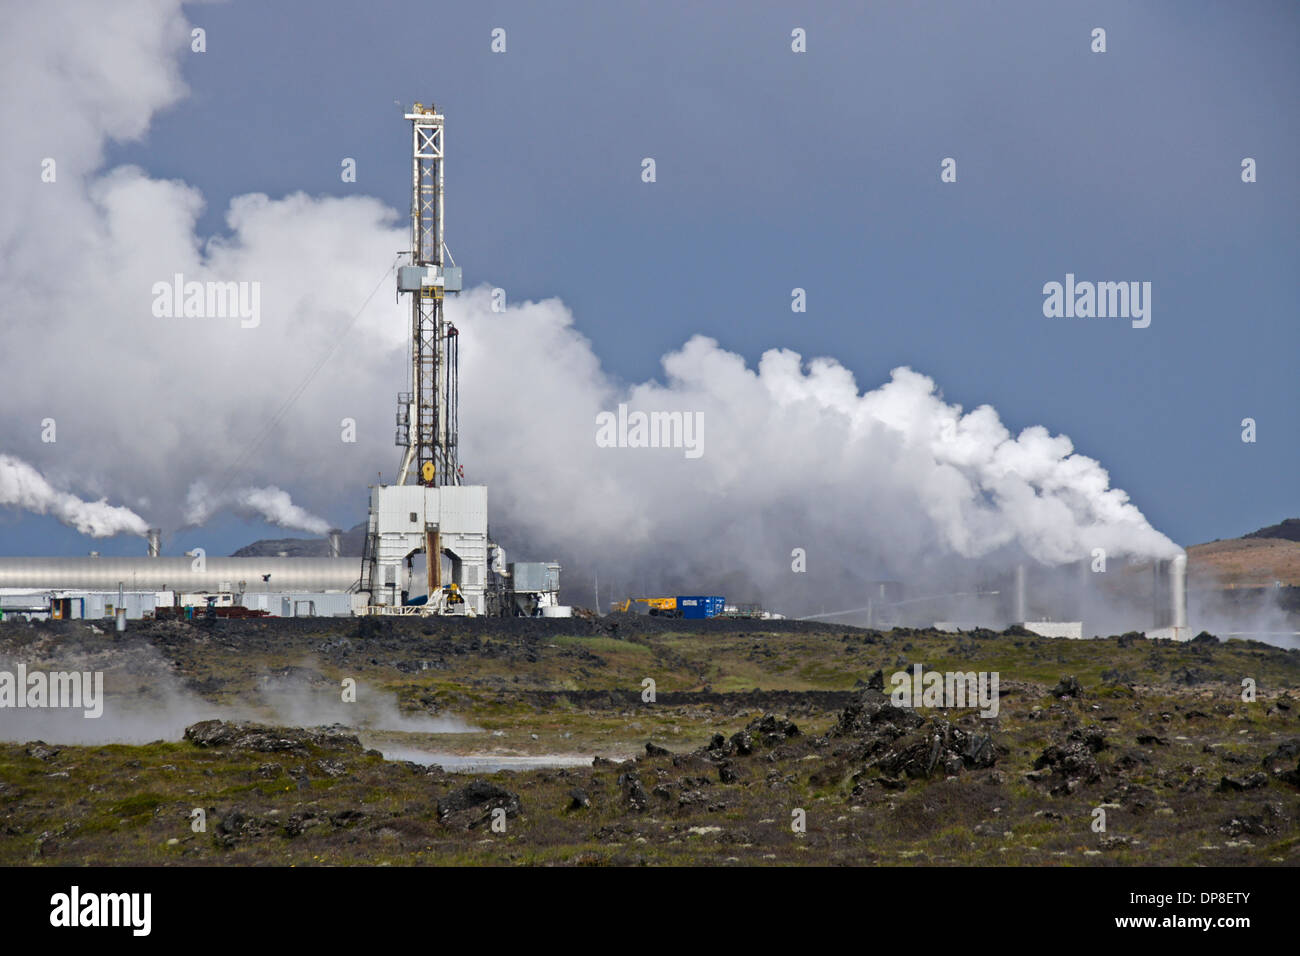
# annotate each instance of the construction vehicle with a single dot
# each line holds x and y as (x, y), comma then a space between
(659, 607)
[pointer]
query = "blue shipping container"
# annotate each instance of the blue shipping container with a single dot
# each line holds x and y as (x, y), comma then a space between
(700, 605)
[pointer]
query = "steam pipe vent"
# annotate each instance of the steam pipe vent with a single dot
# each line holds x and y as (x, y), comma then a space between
(1169, 593)
(1019, 610)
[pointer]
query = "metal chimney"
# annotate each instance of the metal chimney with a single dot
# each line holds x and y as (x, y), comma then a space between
(1178, 594)
(155, 542)
(1170, 595)
(1019, 608)
(336, 542)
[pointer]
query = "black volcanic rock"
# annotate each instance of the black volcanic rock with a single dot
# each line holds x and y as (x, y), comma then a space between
(1287, 530)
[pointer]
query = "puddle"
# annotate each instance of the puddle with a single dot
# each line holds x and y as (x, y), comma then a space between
(484, 762)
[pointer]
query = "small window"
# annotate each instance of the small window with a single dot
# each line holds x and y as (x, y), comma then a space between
(414, 518)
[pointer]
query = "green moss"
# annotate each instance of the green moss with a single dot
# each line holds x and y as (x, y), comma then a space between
(141, 803)
(608, 645)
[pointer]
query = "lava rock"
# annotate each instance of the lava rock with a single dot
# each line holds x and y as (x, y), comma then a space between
(41, 750)
(1065, 767)
(1284, 754)
(689, 798)
(300, 821)
(1253, 782)
(1094, 738)
(1254, 824)
(873, 716)
(634, 794)
(902, 743)
(347, 817)
(1068, 687)
(1190, 676)
(472, 805)
(770, 727)
(236, 826)
(241, 735)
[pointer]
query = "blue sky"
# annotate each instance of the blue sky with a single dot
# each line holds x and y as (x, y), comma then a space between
(821, 170)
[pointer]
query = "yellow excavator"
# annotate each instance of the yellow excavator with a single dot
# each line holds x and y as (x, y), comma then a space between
(659, 607)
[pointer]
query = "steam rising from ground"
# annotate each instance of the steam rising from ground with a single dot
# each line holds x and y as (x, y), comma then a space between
(298, 702)
(155, 709)
(146, 701)
(891, 482)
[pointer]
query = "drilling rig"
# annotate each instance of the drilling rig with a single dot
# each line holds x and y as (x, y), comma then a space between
(427, 416)
(429, 509)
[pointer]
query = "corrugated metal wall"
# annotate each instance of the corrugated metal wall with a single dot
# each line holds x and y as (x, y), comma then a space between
(299, 603)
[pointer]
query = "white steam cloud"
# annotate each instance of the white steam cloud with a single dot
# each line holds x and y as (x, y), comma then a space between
(887, 483)
(883, 483)
(22, 486)
(270, 503)
(145, 700)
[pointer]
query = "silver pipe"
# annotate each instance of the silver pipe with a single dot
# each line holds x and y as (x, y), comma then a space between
(173, 574)
(1178, 591)
(1169, 593)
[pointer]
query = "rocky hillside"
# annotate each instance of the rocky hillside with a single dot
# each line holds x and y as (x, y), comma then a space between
(1288, 530)
(1258, 559)
(354, 540)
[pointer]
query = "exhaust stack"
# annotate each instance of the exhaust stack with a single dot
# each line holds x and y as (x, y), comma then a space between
(1170, 596)
(1020, 608)
(336, 542)
(155, 542)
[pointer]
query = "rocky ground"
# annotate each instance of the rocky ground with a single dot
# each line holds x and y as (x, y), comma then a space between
(766, 742)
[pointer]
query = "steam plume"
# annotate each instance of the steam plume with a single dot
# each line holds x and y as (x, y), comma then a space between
(271, 503)
(24, 487)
